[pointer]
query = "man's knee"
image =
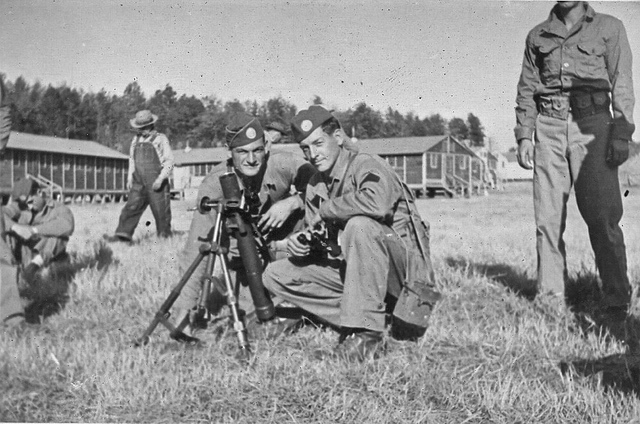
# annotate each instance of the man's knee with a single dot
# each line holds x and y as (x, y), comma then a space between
(361, 227)
(278, 274)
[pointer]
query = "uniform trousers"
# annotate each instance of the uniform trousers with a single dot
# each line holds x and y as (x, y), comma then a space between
(573, 153)
(349, 291)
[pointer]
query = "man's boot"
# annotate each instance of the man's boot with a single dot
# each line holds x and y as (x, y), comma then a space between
(356, 346)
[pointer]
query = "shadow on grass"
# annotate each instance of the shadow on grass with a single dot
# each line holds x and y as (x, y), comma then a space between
(49, 292)
(620, 372)
(584, 296)
(514, 280)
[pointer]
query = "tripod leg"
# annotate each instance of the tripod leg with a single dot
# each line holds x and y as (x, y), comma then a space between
(236, 316)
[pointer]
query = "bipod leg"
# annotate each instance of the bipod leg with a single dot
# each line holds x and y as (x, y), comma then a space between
(163, 314)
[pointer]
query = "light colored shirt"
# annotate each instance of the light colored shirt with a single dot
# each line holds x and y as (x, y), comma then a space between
(163, 150)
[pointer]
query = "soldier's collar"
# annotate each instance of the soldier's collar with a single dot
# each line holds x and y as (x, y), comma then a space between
(338, 170)
(555, 26)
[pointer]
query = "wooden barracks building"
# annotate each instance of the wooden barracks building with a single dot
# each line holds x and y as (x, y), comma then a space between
(429, 165)
(70, 169)
(77, 170)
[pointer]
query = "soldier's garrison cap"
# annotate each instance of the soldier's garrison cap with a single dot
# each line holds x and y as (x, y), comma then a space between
(243, 129)
(307, 120)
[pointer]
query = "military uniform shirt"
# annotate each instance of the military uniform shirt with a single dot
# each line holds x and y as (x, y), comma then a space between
(593, 56)
(358, 185)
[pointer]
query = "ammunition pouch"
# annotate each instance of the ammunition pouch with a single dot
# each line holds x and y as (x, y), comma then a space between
(578, 104)
(416, 301)
(412, 312)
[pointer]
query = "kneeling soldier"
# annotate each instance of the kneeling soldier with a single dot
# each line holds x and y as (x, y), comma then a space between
(385, 257)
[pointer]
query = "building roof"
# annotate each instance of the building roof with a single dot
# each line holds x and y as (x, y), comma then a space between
(399, 145)
(42, 143)
(219, 154)
(195, 156)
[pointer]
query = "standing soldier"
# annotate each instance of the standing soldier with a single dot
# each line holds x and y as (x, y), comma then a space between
(150, 165)
(576, 71)
(11, 311)
(385, 256)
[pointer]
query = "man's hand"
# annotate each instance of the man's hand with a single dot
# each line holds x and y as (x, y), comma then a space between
(25, 232)
(278, 213)
(525, 153)
(157, 184)
(617, 152)
(297, 249)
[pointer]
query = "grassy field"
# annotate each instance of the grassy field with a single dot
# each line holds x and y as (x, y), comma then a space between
(492, 355)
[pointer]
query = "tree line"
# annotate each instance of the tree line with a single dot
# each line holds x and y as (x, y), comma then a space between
(103, 117)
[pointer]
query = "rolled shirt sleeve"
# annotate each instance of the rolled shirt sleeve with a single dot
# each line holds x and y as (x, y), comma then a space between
(165, 155)
(132, 162)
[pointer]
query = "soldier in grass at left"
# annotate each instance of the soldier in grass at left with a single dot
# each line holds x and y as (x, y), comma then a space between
(274, 185)
(39, 229)
(150, 165)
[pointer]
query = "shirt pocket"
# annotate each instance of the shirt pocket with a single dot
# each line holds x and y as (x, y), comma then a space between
(590, 61)
(548, 60)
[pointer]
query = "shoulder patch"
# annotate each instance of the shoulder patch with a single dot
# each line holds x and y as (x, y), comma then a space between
(371, 178)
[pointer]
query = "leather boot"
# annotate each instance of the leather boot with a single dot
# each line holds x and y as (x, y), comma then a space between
(356, 347)
(275, 328)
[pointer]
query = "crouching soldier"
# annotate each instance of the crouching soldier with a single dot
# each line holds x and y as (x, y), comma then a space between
(39, 229)
(267, 180)
(384, 263)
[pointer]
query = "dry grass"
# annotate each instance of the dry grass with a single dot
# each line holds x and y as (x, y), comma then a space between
(491, 354)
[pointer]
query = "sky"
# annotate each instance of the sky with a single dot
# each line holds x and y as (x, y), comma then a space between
(425, 57)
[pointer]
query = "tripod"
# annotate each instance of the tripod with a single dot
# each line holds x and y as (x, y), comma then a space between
(231, 210)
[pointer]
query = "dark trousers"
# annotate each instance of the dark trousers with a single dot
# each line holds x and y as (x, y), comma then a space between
(570, 153)
(140, 196)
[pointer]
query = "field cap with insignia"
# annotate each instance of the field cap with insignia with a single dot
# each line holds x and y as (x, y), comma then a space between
(307, 120)
(143, 119)
(23, 188)
(243, 129)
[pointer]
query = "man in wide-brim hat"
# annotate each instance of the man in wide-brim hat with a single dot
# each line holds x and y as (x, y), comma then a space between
(274, 132)
(150, 165)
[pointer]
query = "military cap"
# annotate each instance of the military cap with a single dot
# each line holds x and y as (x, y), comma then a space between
(307, 120)
(243, 129)
(23, 188)
(277, 126)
